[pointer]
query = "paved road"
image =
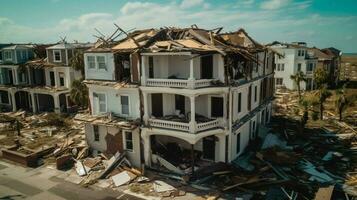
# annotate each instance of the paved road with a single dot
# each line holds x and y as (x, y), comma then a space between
(44, 183)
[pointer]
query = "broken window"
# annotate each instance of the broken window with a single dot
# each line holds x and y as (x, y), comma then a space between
(91, 62)
(239, 102)
(4, 97)
(57, 55)
(96, 132)
(128, 140)
(299, 66)
(61, 78)
(124, 105)
(255, 93)
(101, 62)
(151, 67)
(101, 102)
(238, 143)
(7, 55)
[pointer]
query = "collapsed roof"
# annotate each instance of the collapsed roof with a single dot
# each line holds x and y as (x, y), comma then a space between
(191, 39)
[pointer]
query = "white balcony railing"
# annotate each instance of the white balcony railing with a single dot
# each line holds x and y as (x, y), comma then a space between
(180, 126)
(179, 83)
(169, 124)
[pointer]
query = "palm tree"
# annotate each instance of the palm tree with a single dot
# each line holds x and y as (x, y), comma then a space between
(341, 101)
(79, 93)
(320, 77)
(77, 62)
(297, 78)
(323, 94)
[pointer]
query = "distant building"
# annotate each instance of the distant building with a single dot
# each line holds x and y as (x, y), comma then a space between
(295, 57)
(35, 84)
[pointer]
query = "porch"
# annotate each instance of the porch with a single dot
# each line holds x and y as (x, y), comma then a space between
(181, 70)
(185, 153)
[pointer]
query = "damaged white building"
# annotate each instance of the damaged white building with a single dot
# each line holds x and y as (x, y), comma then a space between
(184, 96)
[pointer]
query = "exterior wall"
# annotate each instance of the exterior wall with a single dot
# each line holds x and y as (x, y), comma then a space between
(109, 133)
(290, 66)
(113, 100)
(69, 72)
(100, 74)
(245, 131)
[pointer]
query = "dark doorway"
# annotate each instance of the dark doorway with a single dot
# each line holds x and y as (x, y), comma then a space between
(209, 148)
(180, 103)
(216, 106)
(11, 78)
(151, 67)
(38, 77)
(52, 78)
(207, 67)
(45, 103)
(22, 100)
(156, 105)
(63, 103)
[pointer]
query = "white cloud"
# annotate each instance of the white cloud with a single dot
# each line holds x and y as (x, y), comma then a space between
(274, 4)
(191, 3)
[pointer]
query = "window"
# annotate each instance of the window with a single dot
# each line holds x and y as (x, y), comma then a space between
(0, 55)
(101, 62)
(299, 53)
(128, 140)
(239, 102)
(310, 67)
(302, 52)
(151, 67)
(101, 102)
(282, 67)
(255, 93)
(299, 66)
(279, 81)
(216, 107)
(253, 130)
(238, 143)
(96, 132)
(22, 77)
(61, 78)
(23, 54)
(124, 105)
(278, 68)
(7, 55)
(57, 56)
(4, 97)
(91, 62)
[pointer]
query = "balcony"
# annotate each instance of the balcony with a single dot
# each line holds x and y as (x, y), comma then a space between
(178, 83)
(185, 127)
(181, 71)
(189, 113)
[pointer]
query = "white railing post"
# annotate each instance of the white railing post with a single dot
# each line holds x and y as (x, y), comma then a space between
(191, 79)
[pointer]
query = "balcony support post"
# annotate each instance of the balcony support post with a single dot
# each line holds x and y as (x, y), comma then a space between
(191, 79)
(143, 70)
(146, 108)
(13, 100)
(193, 115)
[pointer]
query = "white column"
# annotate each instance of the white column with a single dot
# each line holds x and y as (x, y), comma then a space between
(146, 108)
(225, 111)
(13, 100)
(147, 147)
(15, 75)
(56, 103)
(33, 102)
(143, 70)
(193, 115)
(221, 148)
(29, 76)
(191, 79)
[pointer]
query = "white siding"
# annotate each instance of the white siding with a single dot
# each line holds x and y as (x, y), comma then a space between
(100, 74)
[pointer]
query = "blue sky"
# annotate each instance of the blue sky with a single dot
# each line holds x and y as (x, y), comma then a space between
(321, 23)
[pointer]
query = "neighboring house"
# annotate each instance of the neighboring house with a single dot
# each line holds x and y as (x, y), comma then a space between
(335, 66)
(39, 84)
(202, 92)
(294, 57)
